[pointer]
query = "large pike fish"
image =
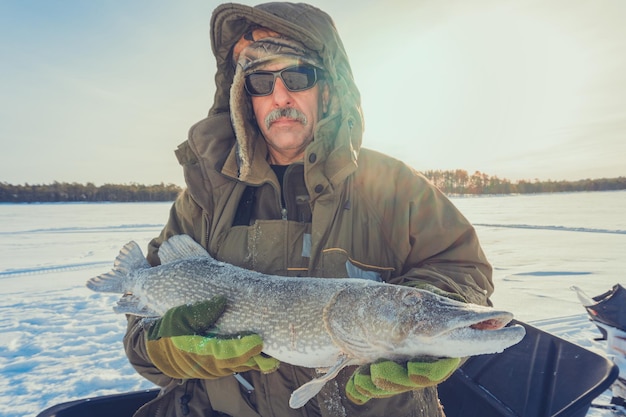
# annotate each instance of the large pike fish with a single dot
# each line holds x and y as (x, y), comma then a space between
(312, 322)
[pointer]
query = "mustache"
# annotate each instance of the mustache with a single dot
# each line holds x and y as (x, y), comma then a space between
(288, 112)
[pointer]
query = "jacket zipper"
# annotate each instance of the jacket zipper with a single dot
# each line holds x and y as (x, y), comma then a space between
(183, 401)
(281, 192)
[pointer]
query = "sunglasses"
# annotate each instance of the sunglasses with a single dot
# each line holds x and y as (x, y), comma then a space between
(296, 78)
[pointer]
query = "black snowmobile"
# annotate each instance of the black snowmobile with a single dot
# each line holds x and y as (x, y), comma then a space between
(608, 312)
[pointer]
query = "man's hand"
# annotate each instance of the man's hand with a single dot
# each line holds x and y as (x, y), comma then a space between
(181, 345)
(386, 378)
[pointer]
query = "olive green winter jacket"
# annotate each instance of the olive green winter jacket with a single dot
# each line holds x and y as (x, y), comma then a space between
(347, 212)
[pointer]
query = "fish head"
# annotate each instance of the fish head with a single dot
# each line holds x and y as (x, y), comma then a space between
(397, 322)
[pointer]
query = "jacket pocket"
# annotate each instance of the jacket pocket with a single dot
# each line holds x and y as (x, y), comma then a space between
(226, 397)
(337, 263)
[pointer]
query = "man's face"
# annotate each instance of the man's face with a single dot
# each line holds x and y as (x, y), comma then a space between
(287, 135)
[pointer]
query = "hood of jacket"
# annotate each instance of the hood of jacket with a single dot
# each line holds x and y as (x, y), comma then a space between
(338, 136)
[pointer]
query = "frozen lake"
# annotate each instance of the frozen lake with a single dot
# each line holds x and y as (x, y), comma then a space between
(60, 341)
(541, 244)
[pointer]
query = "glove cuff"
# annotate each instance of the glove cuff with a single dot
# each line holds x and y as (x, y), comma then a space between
(201, 357)
(177, 364)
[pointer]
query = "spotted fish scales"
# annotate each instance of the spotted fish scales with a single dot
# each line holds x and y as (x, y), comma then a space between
(312, 322)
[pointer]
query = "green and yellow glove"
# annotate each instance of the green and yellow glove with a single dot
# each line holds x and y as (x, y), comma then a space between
(181, 346)
(386, 378)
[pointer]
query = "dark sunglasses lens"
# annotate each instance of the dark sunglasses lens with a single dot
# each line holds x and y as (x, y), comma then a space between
(299, 78)
(295, 79)
(260, 83)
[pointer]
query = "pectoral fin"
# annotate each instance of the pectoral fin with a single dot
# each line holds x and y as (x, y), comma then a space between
(309, 390)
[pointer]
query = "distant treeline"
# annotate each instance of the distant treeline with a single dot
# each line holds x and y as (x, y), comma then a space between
(74, 192)
(450, 182)
(461, 182)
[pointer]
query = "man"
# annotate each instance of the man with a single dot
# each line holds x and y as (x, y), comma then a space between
(277, 182)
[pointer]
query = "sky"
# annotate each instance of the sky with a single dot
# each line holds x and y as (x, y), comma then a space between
(104, 91)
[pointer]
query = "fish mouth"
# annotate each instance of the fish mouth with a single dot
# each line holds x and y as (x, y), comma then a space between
(494, 323)
(479, 319)
(490, 333)
(464, 335)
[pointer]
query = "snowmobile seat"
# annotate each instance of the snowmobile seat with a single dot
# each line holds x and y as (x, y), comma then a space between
(115, 405)
(542, 376)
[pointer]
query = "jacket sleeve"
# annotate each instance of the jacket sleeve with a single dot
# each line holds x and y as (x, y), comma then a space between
(135, 347)
(441, 247)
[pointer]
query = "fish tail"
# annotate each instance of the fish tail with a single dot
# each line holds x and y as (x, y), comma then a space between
(129, 259)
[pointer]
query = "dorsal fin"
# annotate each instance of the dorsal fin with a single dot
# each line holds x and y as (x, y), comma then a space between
(180, 247)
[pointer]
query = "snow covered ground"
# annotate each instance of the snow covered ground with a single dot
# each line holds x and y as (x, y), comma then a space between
(59, 341)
